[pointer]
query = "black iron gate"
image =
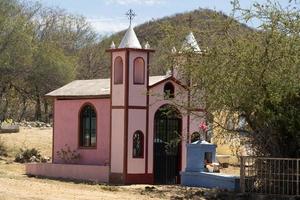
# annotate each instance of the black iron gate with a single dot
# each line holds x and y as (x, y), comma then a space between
(166, 147)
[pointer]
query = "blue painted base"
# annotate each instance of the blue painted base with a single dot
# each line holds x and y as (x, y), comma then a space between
(210, 180)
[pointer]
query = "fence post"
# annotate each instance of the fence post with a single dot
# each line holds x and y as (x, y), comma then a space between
(242, 174)
(298, 174)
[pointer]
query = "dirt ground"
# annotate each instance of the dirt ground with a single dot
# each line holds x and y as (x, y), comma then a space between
(14, 184)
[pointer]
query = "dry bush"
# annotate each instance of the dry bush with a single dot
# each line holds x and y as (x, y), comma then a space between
(3, 148)
(30, 155)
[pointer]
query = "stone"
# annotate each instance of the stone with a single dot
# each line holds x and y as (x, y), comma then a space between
(33, 159)
(10, 128)
(45, 159)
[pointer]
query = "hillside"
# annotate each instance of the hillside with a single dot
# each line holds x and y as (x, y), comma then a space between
(49, 48)
(163, 34)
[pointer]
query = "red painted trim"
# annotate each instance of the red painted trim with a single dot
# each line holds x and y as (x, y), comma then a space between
(114, 77)
(118, 107)
(188, 128)
(188, 117)
(79, 125)
(110, 111)
(53, 130)
(139, 179)
(198, 110)
(159, 82)
(137, 107)
(126, 116)
(130, 49)
(179, 83)
(79, 97)
(130, 107)
(142, 140)
(134, 82)
(147, 116)
(168, 79)
(180, 153)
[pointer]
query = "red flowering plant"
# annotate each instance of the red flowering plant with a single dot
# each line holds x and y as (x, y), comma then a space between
(203, 129)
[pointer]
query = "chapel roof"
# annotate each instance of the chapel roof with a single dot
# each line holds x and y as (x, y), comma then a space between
(130, 40)
(93, 87)
(190, 43)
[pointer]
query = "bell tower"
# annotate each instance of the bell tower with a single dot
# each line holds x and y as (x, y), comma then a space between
(129, 108)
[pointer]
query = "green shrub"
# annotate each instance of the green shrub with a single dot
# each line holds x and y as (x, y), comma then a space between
(8, 121)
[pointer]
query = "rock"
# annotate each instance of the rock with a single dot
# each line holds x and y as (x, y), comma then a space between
(223, 196)
(33, 159)
(45, 159)
(150, 188)
(9, 128)
(30, 124)
(242, 196)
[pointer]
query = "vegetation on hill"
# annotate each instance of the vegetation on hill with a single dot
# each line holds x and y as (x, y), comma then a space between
(252, 73)
(42, 49)
(253, 78)
(164, 34)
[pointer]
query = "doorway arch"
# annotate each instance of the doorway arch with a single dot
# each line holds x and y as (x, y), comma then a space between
(167, 145)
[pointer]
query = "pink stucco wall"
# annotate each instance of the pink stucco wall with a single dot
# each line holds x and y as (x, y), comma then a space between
(137, 121)
(137, 93)
(117, 140)
(66, 130)
(118, 98)
(79, 172)
(136, 117)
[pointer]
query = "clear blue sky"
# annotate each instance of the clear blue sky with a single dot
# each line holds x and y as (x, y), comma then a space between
(108, 16)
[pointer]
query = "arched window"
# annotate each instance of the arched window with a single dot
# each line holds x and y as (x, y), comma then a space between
(138, 145)
(88, 120)
(118, 71)
(139, 71)
(195, 137)
(169, 90)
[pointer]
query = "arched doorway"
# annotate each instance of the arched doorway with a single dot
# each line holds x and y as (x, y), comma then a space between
(167, 148)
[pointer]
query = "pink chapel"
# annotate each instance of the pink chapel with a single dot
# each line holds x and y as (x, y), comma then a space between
(122, 128)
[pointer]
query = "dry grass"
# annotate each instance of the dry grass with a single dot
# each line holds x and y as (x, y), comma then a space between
(29, 138)
(14, 184)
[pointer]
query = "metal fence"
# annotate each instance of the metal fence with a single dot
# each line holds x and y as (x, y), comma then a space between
(271, 176)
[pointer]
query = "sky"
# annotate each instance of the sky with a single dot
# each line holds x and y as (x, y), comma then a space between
(108, 16)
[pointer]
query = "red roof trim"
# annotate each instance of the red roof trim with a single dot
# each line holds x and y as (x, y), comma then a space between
(79, 97)
(172, 79)
(130, 49)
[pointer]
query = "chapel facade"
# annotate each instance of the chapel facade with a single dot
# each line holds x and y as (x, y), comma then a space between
(128, 123)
